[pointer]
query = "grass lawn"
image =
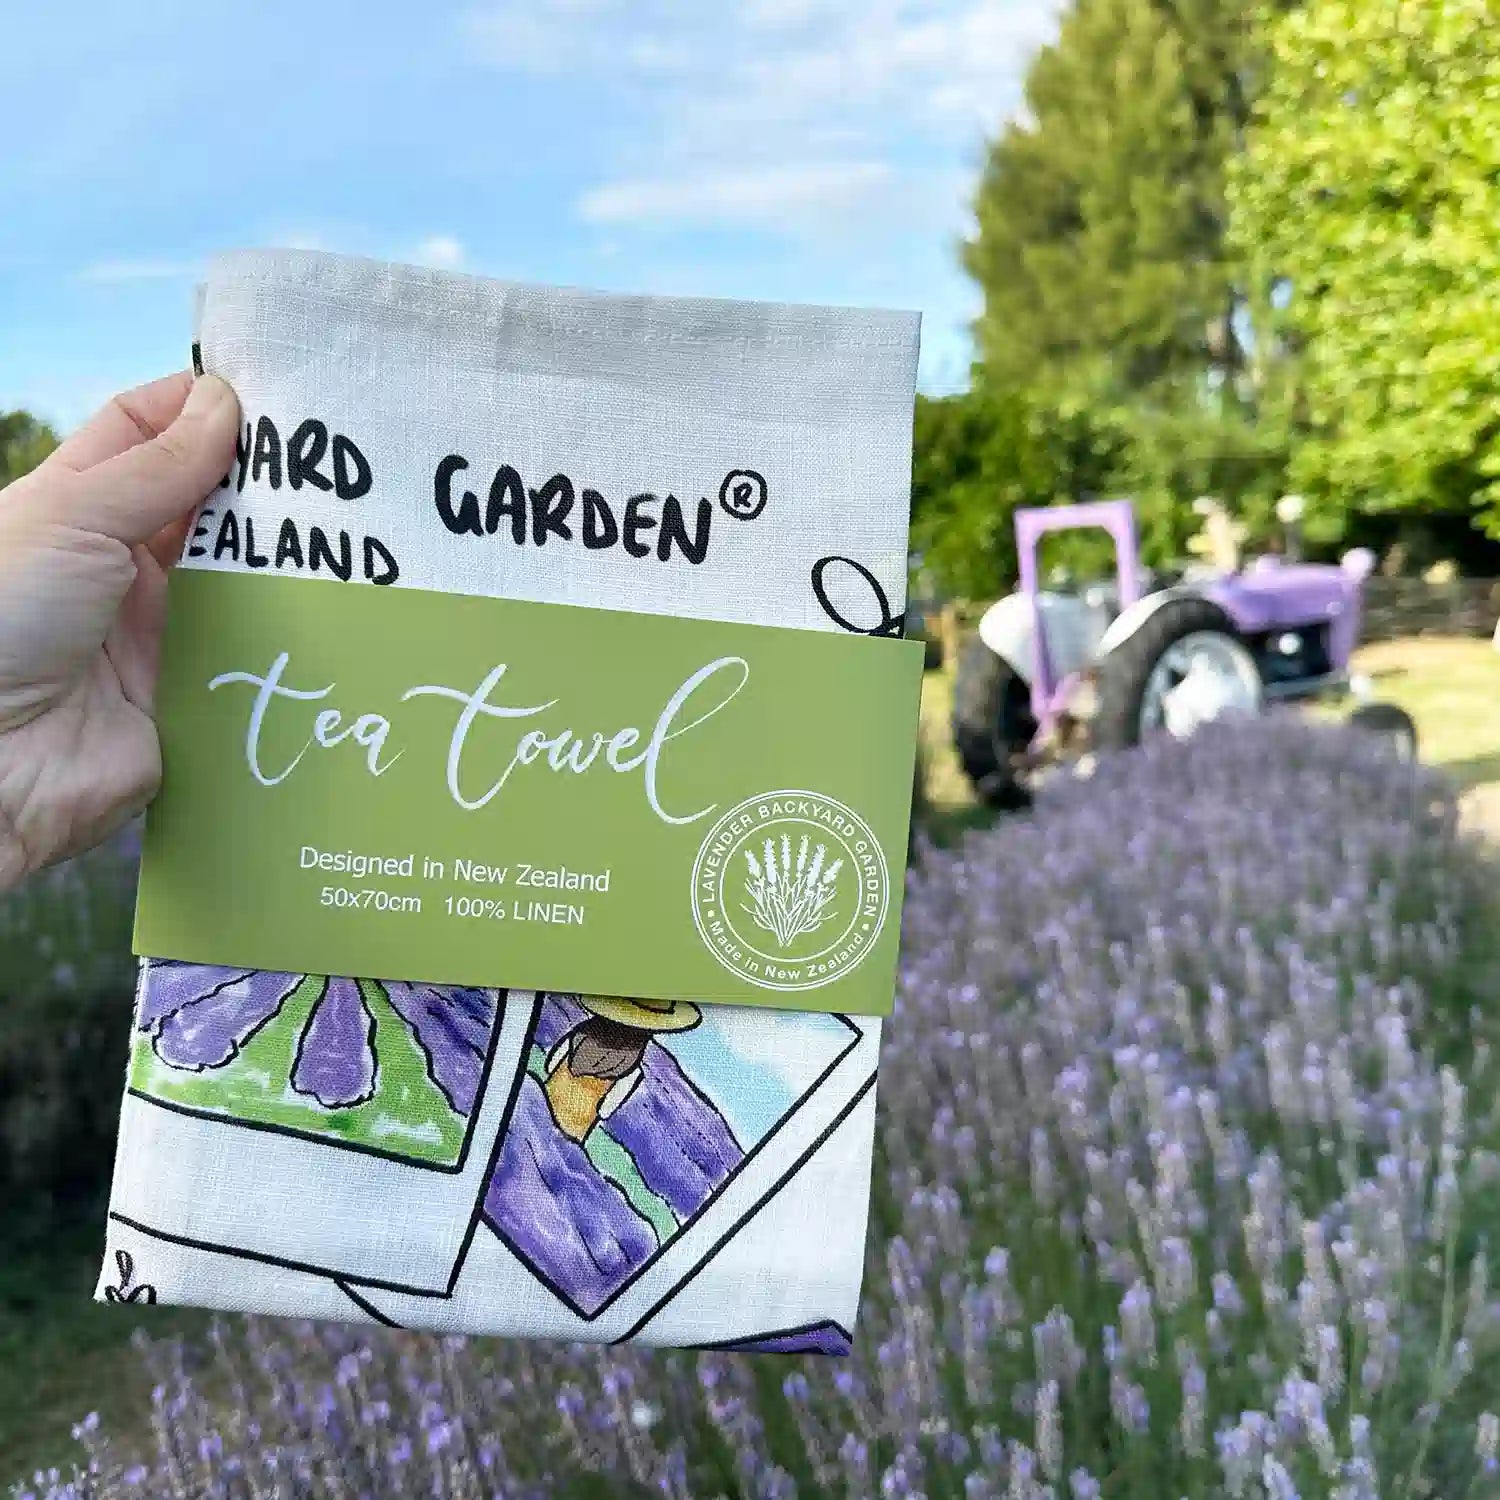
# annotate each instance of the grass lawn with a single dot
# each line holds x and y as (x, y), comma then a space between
(1451, 687)
(948, 788)
(951, 804)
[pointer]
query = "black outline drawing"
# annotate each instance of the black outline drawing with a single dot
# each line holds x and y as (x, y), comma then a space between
(338, 1276)
(349, 1286)
(142, 1291)
(236, 1044)
(336, 1141)
(365, 1306)
(370, 1032)
(727, 505)
(890, 624)
(742, 1345)
(708, 1202)
(429, 1060)
(739, 1224)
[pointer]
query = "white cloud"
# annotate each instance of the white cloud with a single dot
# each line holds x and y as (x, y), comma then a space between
(660, 54)
(116, 271)
(785, 58)
(788, 114)
(931, 70)
(769, 196)
(534, 36)
(439, 251)
(796, 1046)
(786, 13)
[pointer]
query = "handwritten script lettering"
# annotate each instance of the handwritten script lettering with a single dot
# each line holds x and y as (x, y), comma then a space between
(472, 753)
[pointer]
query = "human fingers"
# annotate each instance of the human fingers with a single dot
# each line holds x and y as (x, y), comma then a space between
(124, 422)
(134, 495)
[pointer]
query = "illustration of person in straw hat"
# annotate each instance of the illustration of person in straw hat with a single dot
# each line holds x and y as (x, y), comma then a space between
(594, 1068)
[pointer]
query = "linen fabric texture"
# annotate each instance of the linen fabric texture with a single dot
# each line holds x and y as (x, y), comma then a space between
(502, 1161)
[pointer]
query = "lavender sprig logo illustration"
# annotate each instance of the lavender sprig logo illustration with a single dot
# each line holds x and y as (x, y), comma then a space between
(789, 899)
(790, 889)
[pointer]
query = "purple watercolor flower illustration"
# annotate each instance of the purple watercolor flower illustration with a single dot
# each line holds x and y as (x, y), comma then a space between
(453, 1028)
(336, 1052)
(822, 1337)
(200, 1017)
(592, 1182)
(277, 1048)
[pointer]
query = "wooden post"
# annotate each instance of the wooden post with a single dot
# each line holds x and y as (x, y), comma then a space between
(950, 633)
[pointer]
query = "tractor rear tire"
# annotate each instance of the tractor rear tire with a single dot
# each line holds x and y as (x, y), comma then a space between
(1124, 673)
(992, 724)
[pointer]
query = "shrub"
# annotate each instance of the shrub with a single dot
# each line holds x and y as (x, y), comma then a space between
(1184, 1177)
(66, 978)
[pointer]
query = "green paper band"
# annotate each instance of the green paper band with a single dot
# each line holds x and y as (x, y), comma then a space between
(409, 785)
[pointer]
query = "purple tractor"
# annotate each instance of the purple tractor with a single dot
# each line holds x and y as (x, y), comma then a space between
(1053, 675)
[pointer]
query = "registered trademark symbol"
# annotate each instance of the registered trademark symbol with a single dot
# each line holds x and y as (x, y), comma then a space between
(743, 494)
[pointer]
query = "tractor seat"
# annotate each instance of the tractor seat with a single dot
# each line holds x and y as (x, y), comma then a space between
(1105, 595)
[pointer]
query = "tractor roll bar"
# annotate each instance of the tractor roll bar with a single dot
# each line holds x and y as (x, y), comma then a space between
(1117, 517)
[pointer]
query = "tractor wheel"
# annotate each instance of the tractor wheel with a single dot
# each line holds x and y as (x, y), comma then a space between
(992, 723)
(1184, 635)
(1392, 724)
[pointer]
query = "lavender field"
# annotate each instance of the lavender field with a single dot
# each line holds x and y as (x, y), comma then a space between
(1187, 1168)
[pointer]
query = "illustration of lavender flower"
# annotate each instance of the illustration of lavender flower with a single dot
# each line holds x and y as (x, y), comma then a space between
(384, 1063)
(789, 899)
(588, 1210)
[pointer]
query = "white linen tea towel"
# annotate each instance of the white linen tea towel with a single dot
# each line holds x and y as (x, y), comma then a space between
(707, 459)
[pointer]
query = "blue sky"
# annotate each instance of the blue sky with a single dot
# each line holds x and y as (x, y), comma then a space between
(755, 1064)
(808, 150)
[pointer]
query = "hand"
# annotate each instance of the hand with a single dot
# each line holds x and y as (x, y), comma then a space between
(86, 541)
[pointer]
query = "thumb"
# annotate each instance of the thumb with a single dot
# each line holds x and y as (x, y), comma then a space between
(134, 495)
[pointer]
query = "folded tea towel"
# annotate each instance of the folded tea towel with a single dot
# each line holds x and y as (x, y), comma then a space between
(430, 1156)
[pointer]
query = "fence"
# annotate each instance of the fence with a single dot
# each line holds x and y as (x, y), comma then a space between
(1412, 606)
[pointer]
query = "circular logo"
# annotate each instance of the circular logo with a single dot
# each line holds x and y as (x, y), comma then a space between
(790, 890)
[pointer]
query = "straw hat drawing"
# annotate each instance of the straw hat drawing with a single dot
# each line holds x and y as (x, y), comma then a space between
(594, 1068)
(644, 1015)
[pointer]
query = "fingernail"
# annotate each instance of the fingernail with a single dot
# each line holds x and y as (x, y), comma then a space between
(207, 395)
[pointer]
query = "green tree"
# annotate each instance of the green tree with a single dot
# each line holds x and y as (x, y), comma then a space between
(1368, 204)
(977, 457)
(1098, 243)
(1100, 249)
(24, 443)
